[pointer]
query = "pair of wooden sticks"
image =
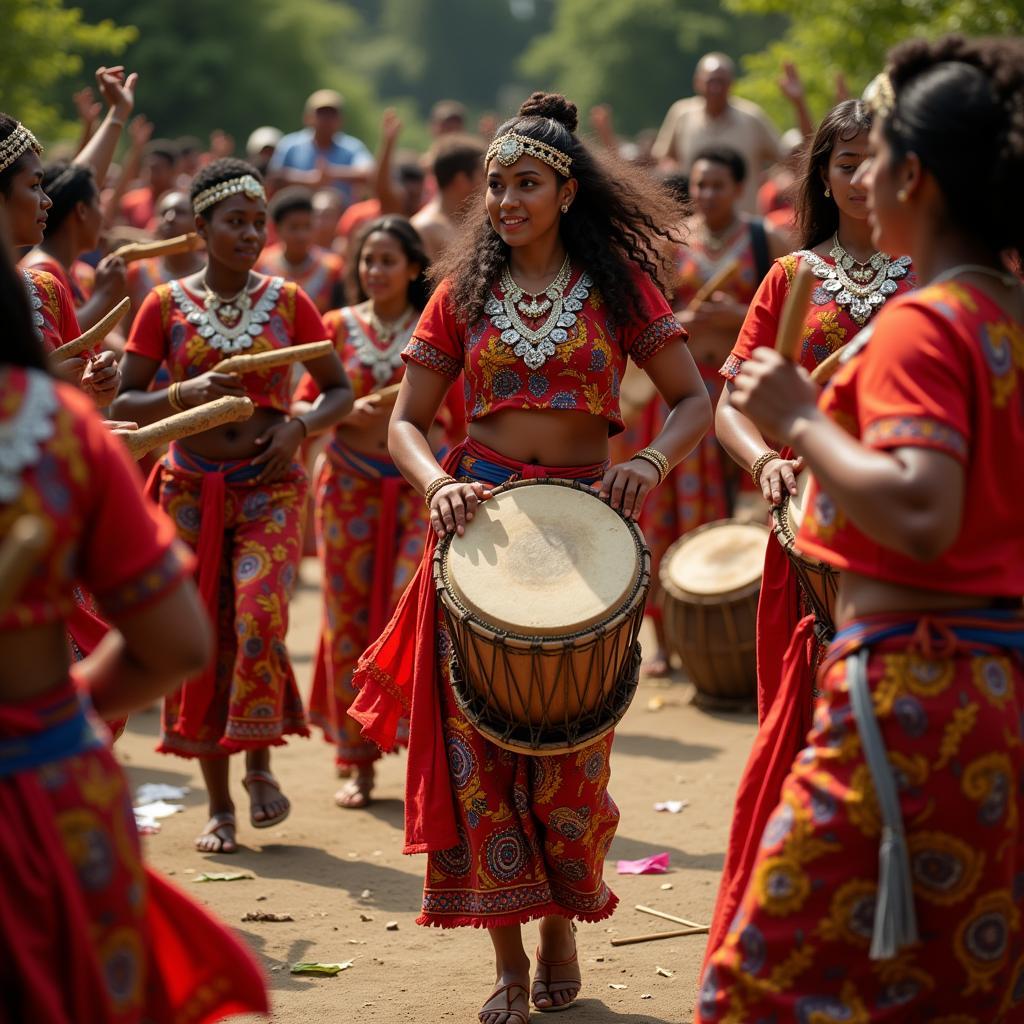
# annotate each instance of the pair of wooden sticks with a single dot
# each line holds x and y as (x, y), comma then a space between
(690, 928)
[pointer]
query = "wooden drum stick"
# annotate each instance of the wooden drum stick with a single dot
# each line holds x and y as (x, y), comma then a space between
(20, 549)
(713, 283)
(386, 396)
(794, 313)
(669, 917)
(93, 336)
(631, 940)
(274, 357)
(161, 247)
(827, 368)
(229, 409)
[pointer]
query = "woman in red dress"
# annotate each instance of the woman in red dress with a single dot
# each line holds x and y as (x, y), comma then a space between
(556, 282)
(887, 882)
(854, 281)
(369, 521)
(130, 948)
(236, 493)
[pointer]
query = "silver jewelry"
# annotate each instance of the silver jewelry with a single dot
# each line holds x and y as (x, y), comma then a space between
(22, 435)
(511, 146)
(859, 288)
(208, 319)
(565, 207)
(534, 346)
(246, 185)
(16, 145)
(35, 303)
(383, 356)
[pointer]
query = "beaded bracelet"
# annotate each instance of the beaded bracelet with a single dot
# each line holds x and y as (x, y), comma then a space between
(656, 459)
(435, 485)
(760, 462)
(174, 397)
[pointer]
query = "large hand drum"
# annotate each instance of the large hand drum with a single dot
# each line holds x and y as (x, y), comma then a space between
(710, 581)
(544, 597)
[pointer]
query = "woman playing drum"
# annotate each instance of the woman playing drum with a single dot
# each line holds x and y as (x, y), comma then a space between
(852, 282)
(235, 492)
(559, 240)
(887, 883)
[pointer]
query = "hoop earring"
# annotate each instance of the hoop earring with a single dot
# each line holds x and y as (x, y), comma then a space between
(828, 192)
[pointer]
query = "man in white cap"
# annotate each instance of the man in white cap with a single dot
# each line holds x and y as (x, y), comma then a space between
(322, 155)
(259, 149)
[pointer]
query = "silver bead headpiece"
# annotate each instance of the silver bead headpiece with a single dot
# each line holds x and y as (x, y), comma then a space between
(510, 147)
(246, 185)
(880, 96)
(16, 145)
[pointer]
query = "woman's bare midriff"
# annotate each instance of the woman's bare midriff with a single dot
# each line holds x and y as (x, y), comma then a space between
(711, 347)
(233, 440)
(544, 437)
(861, 596)
(368, 440)
(32, 661)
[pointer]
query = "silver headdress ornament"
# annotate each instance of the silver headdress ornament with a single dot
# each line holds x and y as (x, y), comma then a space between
(880, 96)
(510, 147)
(16, 145)
(245, 185)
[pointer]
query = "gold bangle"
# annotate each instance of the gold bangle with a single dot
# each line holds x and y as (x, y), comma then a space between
(657, 459)
(174, 397)
(760, 462)
(435, 485)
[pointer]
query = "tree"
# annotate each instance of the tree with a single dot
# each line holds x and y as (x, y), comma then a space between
(637, 55)
(43, 47)
(833, 37)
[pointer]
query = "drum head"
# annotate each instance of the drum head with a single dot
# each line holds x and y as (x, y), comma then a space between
(544, 559)
(718, 559)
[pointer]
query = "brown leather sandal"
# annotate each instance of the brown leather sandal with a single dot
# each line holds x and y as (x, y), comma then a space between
(550, 988)
(259, 775)
(508, 1008)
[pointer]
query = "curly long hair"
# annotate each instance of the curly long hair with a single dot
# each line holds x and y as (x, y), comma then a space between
(402, 231)
(620, 216)
(960, 109)
(817, 216)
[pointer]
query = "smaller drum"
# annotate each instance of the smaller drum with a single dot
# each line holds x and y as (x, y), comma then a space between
(710, 582)
(818, 580)
(543, 597)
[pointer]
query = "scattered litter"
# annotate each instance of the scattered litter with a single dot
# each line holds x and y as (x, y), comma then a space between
(655, 703)
(612, 984)
(598, 959)
(150, 791)
(366, 894)
(646, 995)
(328, 969)
(260, 899)
(392, 926)
(266, 915)
(672, 806)
(666, 885)
(147, 816)
(355, 942)
(664, 972)
(657, 864)
(365, 917)
(222, 876)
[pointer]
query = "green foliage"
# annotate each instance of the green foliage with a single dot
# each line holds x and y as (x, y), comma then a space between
(833, 37)
(637, 55)
(43, 48)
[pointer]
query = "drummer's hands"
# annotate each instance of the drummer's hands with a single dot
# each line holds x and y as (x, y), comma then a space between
(279, 442)
(209, 386)
(625, 486)
(774, 393)
(455, 505)
(101, 378)
(70, 370)
(778, 477)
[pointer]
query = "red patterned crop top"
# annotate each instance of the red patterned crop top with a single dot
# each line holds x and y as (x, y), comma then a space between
(173, 326)
(578, 366)
(942, 369)
(64, 466)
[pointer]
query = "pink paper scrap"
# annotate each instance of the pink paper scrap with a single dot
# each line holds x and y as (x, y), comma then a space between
(654, 865)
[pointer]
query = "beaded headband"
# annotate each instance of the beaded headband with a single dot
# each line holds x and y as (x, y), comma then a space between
(16, 145)
(511, 146)
(246, 185)
(880, 96)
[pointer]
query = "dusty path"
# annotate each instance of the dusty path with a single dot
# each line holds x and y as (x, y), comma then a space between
(341, 876)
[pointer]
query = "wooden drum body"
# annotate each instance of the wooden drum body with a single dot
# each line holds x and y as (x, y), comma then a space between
(710, 581)
(818, 580)
(544, 597)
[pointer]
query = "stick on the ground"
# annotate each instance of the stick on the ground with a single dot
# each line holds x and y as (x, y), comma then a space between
(162, 247)
(631, 940)
(229, 409)
(20, 549)
(275, 357)
(794, 313)
(93, 336)
(669, 917)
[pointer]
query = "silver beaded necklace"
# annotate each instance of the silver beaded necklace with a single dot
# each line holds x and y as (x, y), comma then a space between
(208, 319)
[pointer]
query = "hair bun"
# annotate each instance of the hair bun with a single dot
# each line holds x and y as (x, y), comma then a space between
(553, 105)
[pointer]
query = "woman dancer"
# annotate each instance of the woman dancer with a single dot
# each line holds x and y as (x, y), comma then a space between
(235, 493)
(76, 892)
(916, 742)
(369, 521)
(560, 238)
(855, 280)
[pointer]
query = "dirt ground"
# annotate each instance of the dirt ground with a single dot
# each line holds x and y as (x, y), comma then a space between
(342, 877)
